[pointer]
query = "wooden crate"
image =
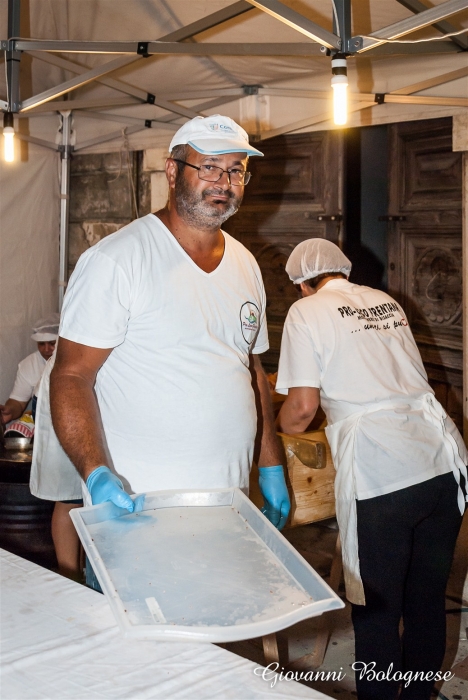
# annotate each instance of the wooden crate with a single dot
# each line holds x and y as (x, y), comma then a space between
(310, 477)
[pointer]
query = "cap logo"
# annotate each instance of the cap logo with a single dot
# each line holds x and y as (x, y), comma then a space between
(221, 127)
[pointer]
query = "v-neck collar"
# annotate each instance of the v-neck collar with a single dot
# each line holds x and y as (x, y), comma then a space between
(187, 256)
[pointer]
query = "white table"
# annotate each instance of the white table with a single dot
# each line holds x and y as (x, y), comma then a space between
(60, 641)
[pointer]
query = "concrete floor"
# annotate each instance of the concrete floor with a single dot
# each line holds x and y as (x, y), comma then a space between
(316, 543)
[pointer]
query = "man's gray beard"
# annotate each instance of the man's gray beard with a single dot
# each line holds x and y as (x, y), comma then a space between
(196, 212)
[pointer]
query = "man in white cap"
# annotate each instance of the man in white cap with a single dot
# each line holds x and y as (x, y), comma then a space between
(396, 453)
(162, 326)
(28, 376)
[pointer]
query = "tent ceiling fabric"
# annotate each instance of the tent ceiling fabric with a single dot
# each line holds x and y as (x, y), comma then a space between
(175, 76)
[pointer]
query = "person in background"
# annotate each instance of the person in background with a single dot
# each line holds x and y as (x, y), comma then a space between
(30, 370)
(28, 376)
(157, 380)
(401, 464)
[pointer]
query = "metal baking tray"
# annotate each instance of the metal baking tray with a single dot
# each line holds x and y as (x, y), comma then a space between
(202, 566)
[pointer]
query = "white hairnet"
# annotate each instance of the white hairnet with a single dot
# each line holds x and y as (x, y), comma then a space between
(315, 257)
(46, 329)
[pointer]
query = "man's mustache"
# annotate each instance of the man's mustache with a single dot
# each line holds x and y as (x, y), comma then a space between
(215, 192)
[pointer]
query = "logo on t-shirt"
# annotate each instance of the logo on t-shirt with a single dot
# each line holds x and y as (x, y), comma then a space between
(249, 318)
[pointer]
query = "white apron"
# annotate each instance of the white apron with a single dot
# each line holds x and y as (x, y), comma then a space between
(53, 476)
(341, 435)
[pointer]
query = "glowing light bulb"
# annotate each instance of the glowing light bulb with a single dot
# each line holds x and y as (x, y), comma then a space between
(340, 99)
(9, 144)
(8, 137)
(339, 83)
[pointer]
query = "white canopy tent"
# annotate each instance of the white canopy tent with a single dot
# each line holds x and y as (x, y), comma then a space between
(265, 63)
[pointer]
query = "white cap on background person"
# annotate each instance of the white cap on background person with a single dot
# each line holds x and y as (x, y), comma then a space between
(315, 257)
(46, 329)
(214, 135)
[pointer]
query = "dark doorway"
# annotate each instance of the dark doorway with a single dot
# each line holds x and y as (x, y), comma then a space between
(366, 199)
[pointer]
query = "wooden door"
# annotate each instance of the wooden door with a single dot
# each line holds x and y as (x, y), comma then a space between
(425, 249)
(295, 193)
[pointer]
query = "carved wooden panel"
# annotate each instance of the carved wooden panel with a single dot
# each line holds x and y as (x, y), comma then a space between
(288, 171)
(297, 180)
(430, 176)
(425, 257)
(433, 280)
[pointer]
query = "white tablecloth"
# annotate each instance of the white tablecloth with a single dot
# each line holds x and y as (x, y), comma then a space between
(60, 641)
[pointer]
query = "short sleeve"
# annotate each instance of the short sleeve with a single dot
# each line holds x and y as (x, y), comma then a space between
(299, 363)
(96, 307)
(23, 389)
(261, 342)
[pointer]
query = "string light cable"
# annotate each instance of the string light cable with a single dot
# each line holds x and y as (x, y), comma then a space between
(335, 13)
(417, 41)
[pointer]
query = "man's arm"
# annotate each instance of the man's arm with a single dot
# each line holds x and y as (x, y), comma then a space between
(73, 404)
(268, 446)
(77, 420)
(270, 458)
(11, 410)
(298, 410)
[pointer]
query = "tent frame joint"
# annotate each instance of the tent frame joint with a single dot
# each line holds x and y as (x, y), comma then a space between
(251, 89)
(142, 49)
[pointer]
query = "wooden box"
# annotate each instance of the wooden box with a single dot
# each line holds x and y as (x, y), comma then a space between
(310, 477)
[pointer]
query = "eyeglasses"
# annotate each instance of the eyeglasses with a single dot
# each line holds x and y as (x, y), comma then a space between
(212, 173)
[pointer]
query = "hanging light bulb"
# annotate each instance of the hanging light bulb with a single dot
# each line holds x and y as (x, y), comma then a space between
(8, 137)
(339, 83)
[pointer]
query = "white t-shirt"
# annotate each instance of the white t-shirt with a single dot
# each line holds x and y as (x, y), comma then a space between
(28, 376)
(355, 344)
(175, 394)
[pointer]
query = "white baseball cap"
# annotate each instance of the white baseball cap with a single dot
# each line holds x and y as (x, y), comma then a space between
(214, 135)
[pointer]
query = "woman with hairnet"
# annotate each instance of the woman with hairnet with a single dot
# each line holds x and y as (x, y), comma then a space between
(26, 387)
(401, 466)
(28, 376)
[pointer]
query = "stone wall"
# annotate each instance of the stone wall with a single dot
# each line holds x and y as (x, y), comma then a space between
(101, 195)
(100, 200)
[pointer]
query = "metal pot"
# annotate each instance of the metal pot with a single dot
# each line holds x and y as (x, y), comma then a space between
(17, 443)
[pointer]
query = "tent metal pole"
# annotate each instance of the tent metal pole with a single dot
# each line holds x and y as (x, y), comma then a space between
(109, 137)
(75, 83)
(13, 57)
(80, 103)
(444, 27)
(65, 152)
(412, 24)
(163, 48)
(298, 22)
(343, 28)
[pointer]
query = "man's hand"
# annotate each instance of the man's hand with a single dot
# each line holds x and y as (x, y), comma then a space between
(275, 495)
(11, 410)
(5, 414)
(104, 486)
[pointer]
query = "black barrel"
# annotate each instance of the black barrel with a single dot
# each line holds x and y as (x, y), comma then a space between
(25, 521)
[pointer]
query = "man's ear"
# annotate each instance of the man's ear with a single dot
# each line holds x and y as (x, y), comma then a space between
(171, 172)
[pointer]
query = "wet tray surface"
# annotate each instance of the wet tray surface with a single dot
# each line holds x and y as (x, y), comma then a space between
(203, 566)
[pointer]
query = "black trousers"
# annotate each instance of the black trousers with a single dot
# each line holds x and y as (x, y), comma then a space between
(406, 544)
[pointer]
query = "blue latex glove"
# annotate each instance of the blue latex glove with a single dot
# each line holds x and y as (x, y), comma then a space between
(275, 495)
(104, 486)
